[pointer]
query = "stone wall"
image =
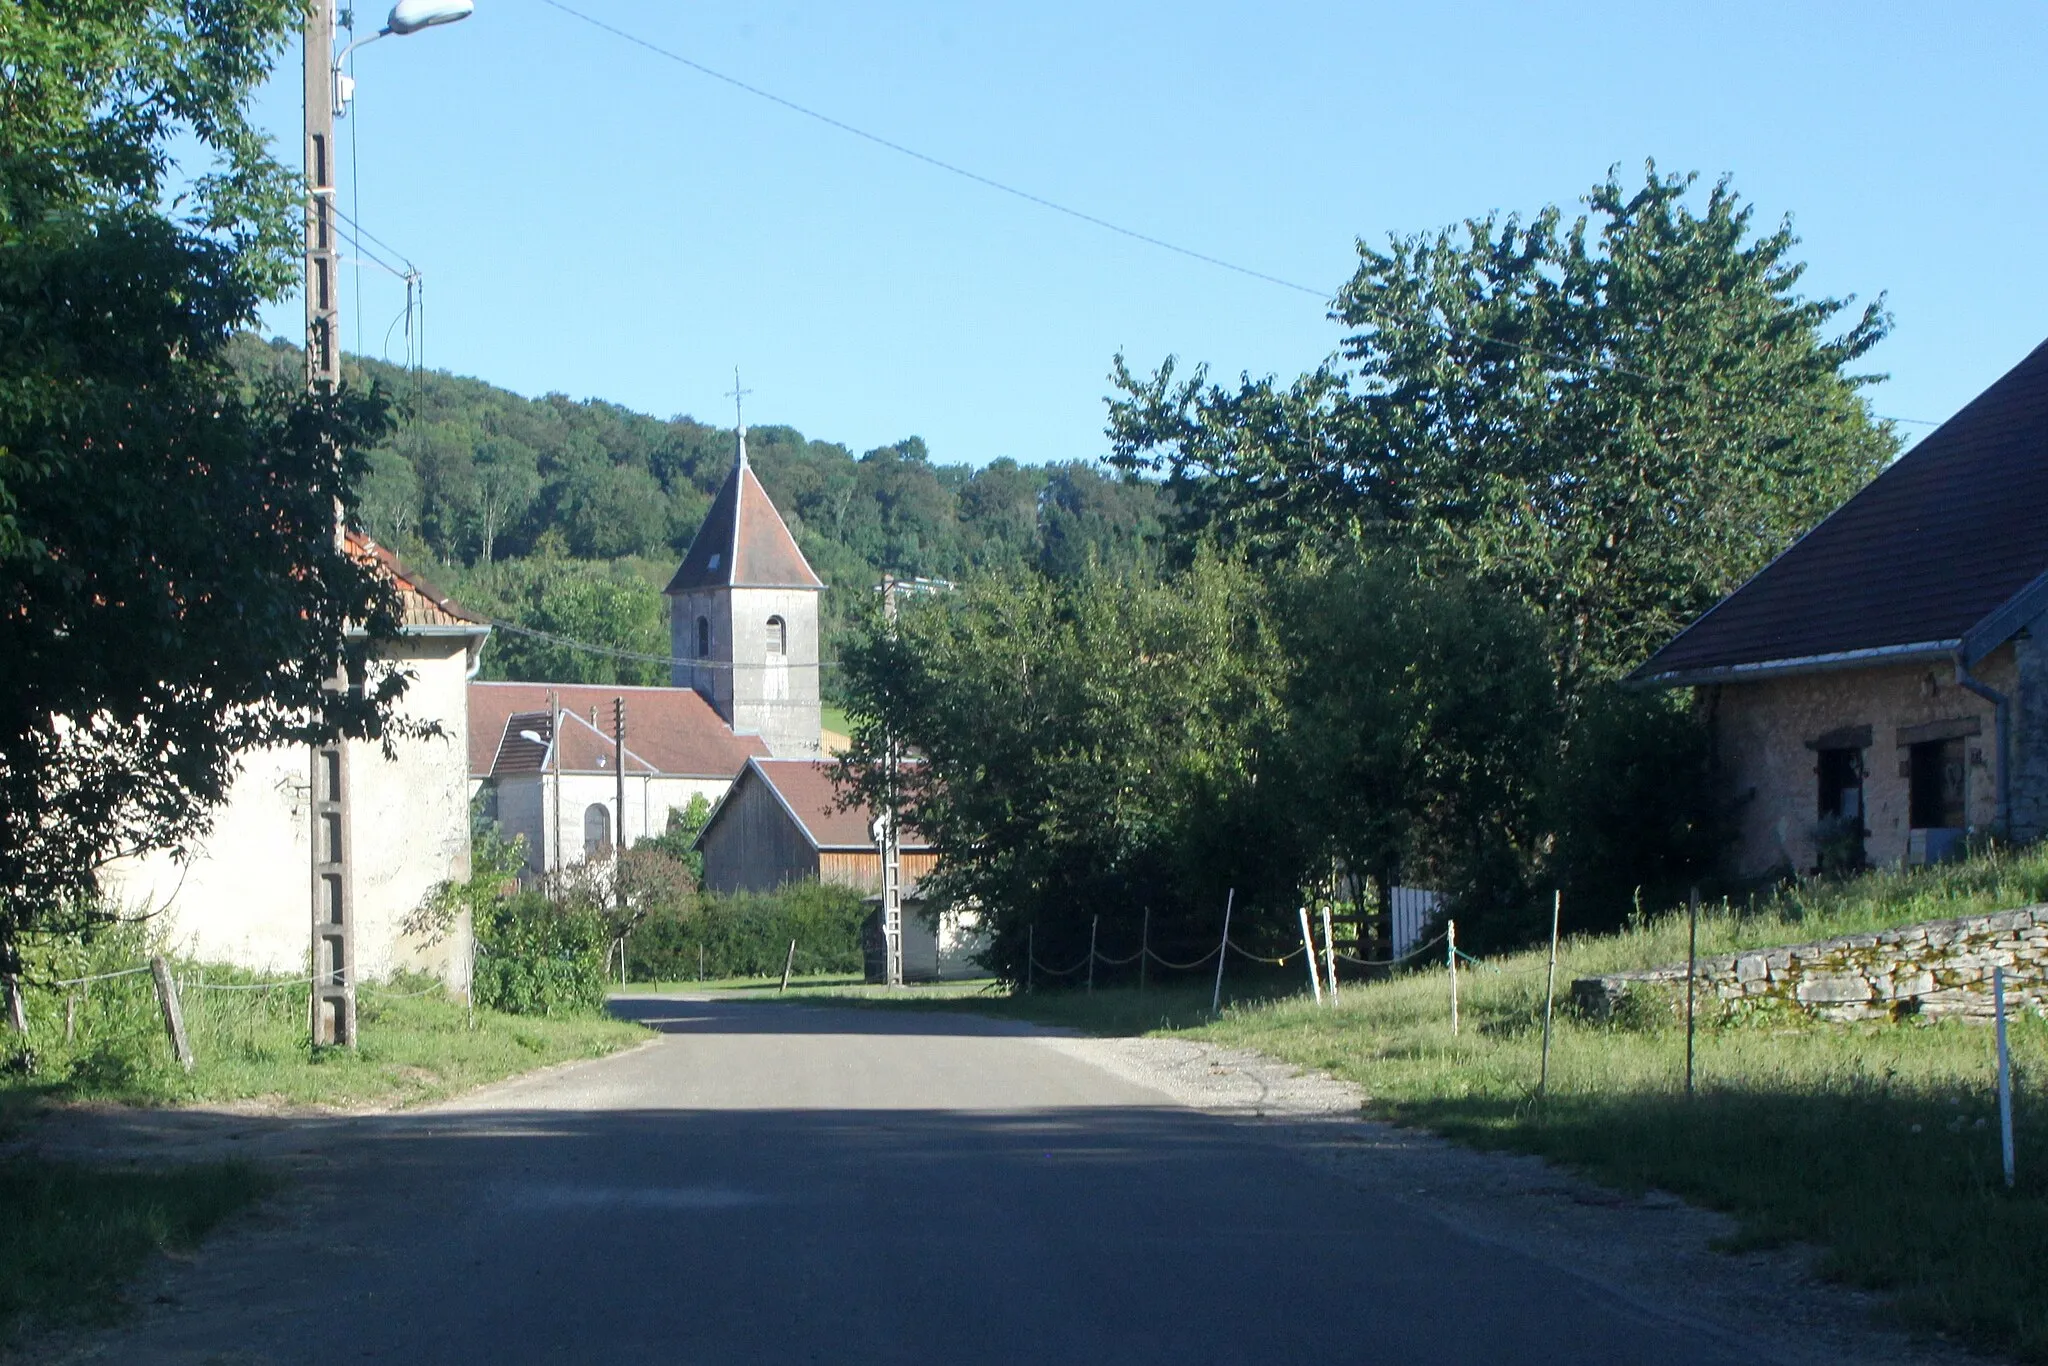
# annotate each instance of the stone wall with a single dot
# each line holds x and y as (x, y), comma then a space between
(1936, 970)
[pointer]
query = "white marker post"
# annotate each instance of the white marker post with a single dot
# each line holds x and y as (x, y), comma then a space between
(1549, 996)
(1308, 951)
(2004, 1075)
(1451, 957)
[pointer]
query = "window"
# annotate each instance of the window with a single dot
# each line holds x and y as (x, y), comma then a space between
(1937, 785)
(597, 829)
(778, 636)
(1841, 785)
(703, 637)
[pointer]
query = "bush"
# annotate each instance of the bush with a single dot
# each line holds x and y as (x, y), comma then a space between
(537, 957)
(747, 934)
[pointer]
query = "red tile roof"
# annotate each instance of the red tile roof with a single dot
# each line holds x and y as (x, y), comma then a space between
(1944, 549)
(421, 604)
(671, 731)
(743, 542)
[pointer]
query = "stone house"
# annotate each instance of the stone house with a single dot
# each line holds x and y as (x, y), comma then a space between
(544, 765)
(245, 893)
(1879, 691)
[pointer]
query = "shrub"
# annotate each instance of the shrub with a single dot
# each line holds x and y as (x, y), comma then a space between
(747, 934)
(538, 957)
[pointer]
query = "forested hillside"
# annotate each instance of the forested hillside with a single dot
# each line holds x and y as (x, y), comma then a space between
(567, 516)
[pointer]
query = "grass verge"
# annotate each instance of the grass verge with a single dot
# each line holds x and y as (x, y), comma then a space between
(73, 1235)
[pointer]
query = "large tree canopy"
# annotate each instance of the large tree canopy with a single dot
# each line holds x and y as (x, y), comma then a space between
(1616, 419)
(171, 587)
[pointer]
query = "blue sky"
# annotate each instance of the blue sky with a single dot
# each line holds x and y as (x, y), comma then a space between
(593, 219)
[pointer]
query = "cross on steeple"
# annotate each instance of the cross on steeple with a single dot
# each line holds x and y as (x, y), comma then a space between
(739, 418)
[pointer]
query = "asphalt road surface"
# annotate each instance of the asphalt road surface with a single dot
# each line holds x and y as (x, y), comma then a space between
(771, 1183)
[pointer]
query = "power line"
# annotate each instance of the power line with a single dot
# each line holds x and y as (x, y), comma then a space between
(1056, 207)
(929, 160)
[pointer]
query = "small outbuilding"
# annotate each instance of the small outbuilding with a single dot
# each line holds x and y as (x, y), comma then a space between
(1880, 690)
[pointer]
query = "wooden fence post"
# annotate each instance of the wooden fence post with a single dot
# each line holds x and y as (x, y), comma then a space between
(787, 964)
(17, 1012)
(1308, 951)
(174, 1015)
(1451, 957)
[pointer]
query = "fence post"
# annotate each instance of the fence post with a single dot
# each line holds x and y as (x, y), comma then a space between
(1030, 956)
(1329, 953)
(1451, 957)
(1308, 951)
(1549, 996)
(1692, 961)
(788, 963)
(17, 1012)
(1093, 922)
(1222, 953)
(2004, 1075)
(1144, 947)
(174, 1016)
(469, 1005)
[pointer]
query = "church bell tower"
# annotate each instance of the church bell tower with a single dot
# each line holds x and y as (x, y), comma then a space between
(743, 615)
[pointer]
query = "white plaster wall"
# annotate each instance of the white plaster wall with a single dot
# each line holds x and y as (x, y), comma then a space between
(565, 797)
(1762, 730)
(780, 703)
(244, 894)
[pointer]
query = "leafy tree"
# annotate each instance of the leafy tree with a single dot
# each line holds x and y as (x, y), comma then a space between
(678, 841)
(1084, 747)
(506, 477)
(172, 592)
(1616, 419)
(599, 605)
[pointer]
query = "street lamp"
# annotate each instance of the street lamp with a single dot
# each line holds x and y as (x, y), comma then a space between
(407, 17)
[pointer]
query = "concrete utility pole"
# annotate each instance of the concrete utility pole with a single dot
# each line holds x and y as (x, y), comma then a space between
(891, 839)
(334, 979)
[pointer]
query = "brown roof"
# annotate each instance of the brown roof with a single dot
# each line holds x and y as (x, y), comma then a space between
(1947, 550)
(671, 731)
(806, 790)
(743, 542)
(420, 603)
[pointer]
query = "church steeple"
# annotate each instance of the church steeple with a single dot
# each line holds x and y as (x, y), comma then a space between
(743, 612)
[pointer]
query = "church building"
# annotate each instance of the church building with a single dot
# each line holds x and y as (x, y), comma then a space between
(743, 619)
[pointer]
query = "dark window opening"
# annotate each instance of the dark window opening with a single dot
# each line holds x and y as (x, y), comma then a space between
(1938, 785)
(703, 637)
(1841, 785)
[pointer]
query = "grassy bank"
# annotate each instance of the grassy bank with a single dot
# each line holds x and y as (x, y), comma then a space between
(73, 1235)
(1876, 1143)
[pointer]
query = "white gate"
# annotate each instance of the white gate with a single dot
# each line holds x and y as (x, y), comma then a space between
(1413, 909)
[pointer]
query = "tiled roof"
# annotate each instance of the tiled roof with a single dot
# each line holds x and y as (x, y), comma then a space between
(1937, 551)
(806, 790)
(743, 542)
(421, 604)
(671, 731)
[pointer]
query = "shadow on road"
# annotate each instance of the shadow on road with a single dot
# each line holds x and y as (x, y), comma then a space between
(811, 1015)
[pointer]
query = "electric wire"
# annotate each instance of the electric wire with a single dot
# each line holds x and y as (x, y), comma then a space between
(949, 167)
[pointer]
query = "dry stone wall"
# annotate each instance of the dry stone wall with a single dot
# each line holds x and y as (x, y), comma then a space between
(1940, 969)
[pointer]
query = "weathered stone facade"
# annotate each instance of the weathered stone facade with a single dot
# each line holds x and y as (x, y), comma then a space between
(1936, 970)
(1768, 733)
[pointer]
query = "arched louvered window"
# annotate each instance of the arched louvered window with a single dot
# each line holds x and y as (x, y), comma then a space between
(778, 636)
(597, 829)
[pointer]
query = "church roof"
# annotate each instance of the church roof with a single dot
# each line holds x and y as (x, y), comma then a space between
(743, 542)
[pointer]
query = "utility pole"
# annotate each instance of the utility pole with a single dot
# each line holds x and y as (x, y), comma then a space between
(619, 776)
(333, 998)
(891, 840)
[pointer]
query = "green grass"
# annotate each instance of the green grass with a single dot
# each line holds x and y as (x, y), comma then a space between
(834, 719)
(73, 1235)
(252, 1046)
(1876, 1143)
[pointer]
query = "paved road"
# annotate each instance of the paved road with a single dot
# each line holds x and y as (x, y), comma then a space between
(774, 1183)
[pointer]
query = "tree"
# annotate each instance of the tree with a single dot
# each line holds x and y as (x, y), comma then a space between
(505, 479)
(172, 592)
(1616, 420)
(574, 601)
